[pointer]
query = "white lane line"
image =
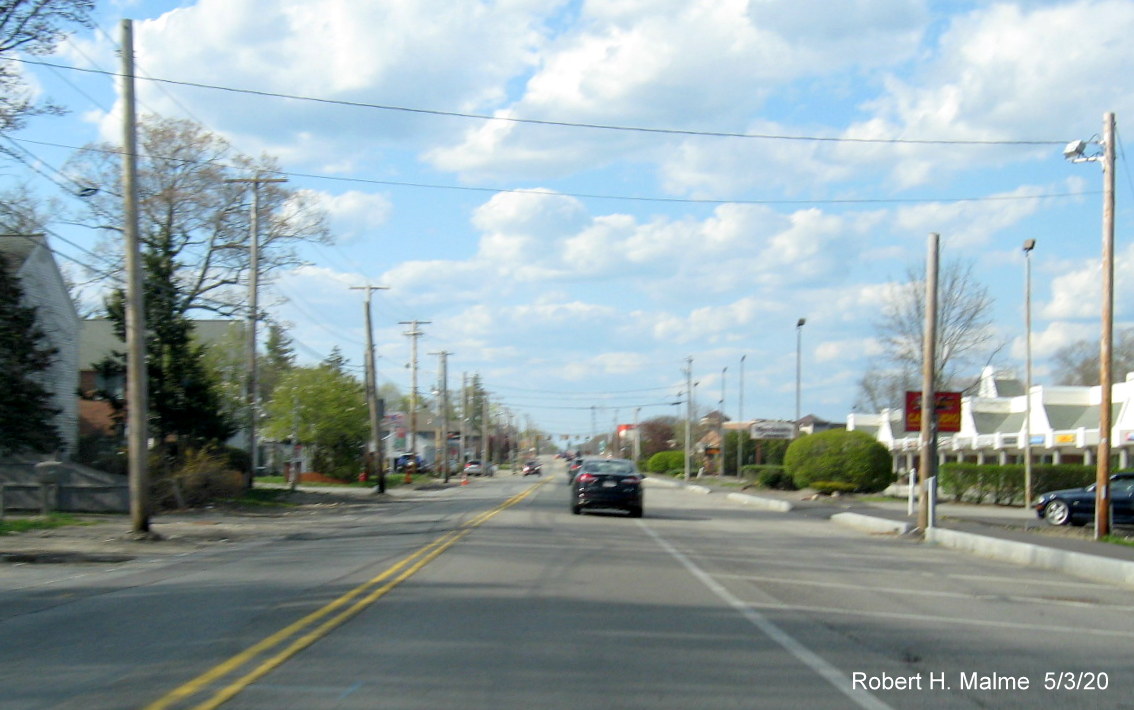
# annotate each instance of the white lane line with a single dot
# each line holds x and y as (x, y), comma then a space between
(1016, 598)
(830, 673)
(941, 621)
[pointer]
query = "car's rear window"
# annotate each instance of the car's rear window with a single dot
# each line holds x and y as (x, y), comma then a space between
(610, 467)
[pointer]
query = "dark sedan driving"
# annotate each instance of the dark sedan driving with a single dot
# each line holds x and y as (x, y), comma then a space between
(1076, 506)
(607, 484)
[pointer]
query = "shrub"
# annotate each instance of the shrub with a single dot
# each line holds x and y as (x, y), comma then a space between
(204, 476)
(833, 487)
(853, 457)
(1005, 484)
(774, 477)
(664, 461)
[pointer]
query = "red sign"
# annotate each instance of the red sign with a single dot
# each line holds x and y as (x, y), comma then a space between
(948, 411)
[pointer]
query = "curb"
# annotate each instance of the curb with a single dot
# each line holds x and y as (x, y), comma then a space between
(773, 504)
(1078, 564)
(872, 524)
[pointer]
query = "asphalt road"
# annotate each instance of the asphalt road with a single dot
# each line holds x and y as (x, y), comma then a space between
(493, 596)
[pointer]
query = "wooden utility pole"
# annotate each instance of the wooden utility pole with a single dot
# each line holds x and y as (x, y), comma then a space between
(411, 444)
(253, 395)
(137, 404)
(443, 397)
(374, 463)
(1106, 342)
(928, 448)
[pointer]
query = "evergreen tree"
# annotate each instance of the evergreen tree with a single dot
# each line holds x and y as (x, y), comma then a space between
(184, 402)
(26, 412)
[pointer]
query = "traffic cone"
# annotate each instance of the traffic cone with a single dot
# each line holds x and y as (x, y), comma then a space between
(465, 479)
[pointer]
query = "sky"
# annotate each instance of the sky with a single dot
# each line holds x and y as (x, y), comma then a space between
(580, 198)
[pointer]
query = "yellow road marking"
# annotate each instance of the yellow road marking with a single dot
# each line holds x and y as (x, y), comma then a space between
(401, 571)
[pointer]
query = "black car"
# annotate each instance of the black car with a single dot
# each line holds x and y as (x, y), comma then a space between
(1076, 506)
(609, 484)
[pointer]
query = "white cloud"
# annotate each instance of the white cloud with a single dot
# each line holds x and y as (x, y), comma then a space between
(354, 214)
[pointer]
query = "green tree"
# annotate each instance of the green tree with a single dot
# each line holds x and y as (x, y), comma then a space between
(323, 407)
(26, 412)
(852, 457)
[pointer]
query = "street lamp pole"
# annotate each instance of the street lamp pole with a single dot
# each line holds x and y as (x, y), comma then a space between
(798, 368)
(1029, 244)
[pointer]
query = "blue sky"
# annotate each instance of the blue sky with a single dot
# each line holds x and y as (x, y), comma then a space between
(578, 267)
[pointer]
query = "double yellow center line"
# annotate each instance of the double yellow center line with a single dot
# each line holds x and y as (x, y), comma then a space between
(319, 623)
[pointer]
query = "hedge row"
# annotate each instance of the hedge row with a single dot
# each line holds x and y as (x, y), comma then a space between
(1004, 485)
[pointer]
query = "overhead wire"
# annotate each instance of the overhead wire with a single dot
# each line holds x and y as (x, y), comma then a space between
(564, 124)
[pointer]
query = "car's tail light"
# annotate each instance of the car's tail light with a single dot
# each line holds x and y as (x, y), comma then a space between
(585, 478)
(632, 480)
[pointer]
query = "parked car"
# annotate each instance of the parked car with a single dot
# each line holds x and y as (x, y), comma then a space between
(532, 468)
(1076, 506)
(476, 468)
(608, 484)
(401, 462)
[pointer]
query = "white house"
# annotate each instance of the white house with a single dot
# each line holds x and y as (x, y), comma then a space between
(31, 261)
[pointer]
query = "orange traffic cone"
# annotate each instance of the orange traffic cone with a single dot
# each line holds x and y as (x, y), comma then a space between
(465, 480)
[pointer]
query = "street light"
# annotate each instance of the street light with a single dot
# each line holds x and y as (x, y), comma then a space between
(798, 367)
(1075, 152)
(1029, 244)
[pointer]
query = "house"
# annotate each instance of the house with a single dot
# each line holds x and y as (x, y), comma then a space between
(30, 259)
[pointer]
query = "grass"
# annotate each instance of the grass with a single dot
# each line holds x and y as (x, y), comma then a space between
(38, 522)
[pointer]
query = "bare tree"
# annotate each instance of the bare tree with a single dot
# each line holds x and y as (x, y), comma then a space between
(965, 338)
(191, 214)
(1078, 363)
(33, 27)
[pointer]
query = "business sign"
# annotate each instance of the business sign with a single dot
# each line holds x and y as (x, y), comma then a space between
(771, 429)
(1066, 439)
(948, 411)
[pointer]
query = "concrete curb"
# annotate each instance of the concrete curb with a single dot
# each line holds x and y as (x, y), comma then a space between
(1103, 569)
(869, 523)
(773, 504)
(703, 490)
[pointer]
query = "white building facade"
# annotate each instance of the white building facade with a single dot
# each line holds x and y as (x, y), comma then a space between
(1064, 425)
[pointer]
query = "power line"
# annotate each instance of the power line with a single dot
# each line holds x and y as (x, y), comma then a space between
(562, 124)
(597, 196)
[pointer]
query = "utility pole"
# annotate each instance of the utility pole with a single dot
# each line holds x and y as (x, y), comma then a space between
(374, 463)
(253, 317)
(413, 334)
(720, 419)
(742, 434)
(688, 413)
(928, 448)
(1106, 342)
(137, 405)
(464, 419)
(484, 431)
(443, 387)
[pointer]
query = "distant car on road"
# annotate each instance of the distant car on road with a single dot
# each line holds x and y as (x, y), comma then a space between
(532, 468)
(476, 468)
(607, 484)
(1076, 506)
